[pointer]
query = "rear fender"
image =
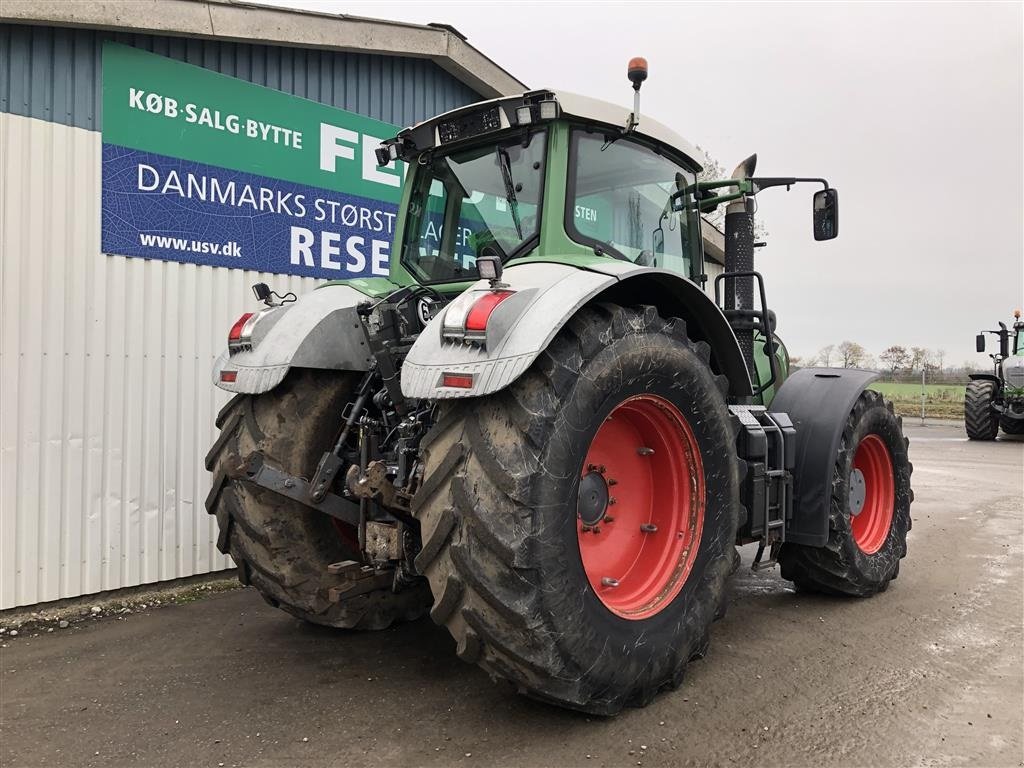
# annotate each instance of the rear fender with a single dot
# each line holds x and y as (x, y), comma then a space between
(319, 330)
(818, 402)
(547, 296)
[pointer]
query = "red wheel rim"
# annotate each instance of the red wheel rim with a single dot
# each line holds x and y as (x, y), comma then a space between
(871, 506)
(638, 556)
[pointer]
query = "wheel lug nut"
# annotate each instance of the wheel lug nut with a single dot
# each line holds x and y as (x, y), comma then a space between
(645, 451)
(649, 528)
(609, 519)
(612, 500)
(608, 581)
(586, 529)
(612, 481)
(597, 529)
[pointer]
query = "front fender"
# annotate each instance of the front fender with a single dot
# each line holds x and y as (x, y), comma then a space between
(985, 377)
(818, 402)
(547, 296)
(320, 330)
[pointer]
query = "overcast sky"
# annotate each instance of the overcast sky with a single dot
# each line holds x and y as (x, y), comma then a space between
(915, 112)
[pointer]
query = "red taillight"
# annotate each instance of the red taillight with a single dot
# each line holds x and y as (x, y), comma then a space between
(229, 376)
(236, 330)
(481, 311)
(461, 380)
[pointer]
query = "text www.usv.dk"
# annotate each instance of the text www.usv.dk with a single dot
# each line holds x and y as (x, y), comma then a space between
(229, 248)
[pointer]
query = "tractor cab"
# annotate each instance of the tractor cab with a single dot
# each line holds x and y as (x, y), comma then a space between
(538, 176)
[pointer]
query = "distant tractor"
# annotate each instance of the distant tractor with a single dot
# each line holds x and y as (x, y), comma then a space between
(996, 399)
(548, 427)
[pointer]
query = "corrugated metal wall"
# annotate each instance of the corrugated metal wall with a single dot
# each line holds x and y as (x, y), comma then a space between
(106, 400)
(55, 74)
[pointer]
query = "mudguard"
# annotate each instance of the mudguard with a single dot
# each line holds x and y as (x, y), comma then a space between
(818, 401)
(547, 296)
(320, 330)
(985, 377)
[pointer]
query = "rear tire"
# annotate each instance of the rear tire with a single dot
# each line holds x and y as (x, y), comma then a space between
(500, 509)
(981, 422)
(871, 476)
(281, 547)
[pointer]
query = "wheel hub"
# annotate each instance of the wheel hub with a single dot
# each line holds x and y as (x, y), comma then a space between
(858, 491)
(592, 505)
(872, 494)
(640, 506)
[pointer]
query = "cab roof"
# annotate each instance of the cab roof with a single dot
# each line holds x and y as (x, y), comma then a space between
(572, 105)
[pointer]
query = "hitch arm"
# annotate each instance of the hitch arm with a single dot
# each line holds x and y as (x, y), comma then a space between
(256, 471)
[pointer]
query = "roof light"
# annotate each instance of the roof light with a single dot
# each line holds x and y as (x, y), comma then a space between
(460, 380)
(548, 109)
(524, 115)
(476, 320)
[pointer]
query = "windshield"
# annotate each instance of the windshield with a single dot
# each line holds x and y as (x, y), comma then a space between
(470, 203)
(621, 199)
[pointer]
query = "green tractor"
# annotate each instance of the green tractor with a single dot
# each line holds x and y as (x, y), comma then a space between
(549, 426)
(996, 399)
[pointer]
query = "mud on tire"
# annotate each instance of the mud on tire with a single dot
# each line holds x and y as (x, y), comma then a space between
(281, 547)
(842, 567)
(499, 516)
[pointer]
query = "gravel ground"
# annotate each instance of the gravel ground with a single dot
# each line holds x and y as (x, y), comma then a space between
(928, 673)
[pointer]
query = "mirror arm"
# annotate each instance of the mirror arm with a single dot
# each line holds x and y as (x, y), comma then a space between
(783, 181)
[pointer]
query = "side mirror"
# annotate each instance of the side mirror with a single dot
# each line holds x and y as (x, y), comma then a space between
(825, 209)
(979, 342)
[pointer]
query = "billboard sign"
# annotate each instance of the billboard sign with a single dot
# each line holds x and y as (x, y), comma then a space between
(207, 169)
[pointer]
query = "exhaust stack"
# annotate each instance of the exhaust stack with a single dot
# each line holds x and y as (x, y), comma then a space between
(739, 257)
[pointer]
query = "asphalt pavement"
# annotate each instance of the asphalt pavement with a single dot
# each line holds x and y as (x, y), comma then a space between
(929, 673)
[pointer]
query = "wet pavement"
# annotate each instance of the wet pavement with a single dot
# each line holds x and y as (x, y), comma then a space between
(928, 673)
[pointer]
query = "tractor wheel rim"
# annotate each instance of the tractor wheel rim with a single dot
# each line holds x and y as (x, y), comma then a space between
(639, 553)
(877, 498)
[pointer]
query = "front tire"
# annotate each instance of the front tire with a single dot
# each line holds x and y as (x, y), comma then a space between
(525, 591)
(1012, 426)
(281, 547)
(981, 422)
(869, 514)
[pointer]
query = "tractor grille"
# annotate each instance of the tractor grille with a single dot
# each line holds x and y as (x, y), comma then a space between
(1013, 372)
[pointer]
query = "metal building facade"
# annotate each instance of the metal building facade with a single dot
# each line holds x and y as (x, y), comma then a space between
(106, 400)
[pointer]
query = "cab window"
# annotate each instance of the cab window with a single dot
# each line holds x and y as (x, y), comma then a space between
(619, 199)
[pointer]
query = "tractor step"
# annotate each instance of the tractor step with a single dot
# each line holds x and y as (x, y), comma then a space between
(767, 443)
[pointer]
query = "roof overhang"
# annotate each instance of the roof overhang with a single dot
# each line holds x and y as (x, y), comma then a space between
(272, 25)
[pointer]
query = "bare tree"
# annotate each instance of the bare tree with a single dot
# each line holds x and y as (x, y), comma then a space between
(895, 359)
(825, 354)
(851, 353)
(940, 358)
(918, 356)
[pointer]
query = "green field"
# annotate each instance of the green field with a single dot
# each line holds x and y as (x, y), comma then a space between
(944, 401)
